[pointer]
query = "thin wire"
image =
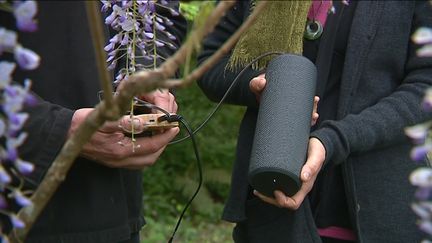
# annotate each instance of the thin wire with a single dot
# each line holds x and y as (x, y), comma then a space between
(171, 118)
(200, 180)
(151, 106)
(210, 115)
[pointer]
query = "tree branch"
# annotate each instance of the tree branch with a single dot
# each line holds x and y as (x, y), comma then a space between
(138, 83)
(95, 25)
(211, 22)
(223, 50)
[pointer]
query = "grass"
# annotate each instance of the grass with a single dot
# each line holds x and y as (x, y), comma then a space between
(193, 232)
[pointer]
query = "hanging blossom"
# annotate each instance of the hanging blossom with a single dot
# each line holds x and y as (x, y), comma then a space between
(140, 31)
(421, 136)
(12, 99)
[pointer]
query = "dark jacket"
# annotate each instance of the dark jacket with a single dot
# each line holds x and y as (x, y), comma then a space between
(382, 86)
(94, 203)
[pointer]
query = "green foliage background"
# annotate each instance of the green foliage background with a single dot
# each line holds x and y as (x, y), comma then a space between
(170, 183)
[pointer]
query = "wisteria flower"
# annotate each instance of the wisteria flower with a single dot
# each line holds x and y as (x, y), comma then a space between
(427, 100)
(13, 97)
(420, 152)
(5, 178)
(16, 222)
(6, 69)
(418, 133)
(422, 35)
(140, 29)
(421, 209)
(26, 58)
(421, 177)
(8, 40)
(24, 13)
(24, 167)
(21, 199)
(423, 193)
(425, 51)
(426, 226)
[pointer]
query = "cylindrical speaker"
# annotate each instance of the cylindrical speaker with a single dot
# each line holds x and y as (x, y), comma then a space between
(283, 125)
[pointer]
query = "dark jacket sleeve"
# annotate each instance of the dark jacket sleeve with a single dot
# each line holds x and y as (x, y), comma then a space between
(382, 124)
(47, 128)
(216, 81)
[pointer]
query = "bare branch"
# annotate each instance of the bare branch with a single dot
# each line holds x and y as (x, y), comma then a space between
(140, 82)
(223, 50)
(95, 24)
(174, 62)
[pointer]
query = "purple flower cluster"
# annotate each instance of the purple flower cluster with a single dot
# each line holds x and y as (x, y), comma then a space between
(422, 178)
(421, 136)
(140, 31)
(12, 99)
(26, 59)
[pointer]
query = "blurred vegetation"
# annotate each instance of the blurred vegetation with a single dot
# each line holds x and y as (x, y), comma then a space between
(169, 184)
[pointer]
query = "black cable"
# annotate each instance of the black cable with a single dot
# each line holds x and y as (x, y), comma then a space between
(172, 118)
(146, 104)
(177, 118)
(210, 115)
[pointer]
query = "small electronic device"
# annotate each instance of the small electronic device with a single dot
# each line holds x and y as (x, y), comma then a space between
(150, 123)
(153, 122)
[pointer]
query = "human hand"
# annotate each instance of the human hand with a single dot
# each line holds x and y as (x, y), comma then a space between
(309, 172)
(162, 98)
(258, 84)
(109, 145)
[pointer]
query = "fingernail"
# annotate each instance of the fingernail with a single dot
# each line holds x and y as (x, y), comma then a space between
(255, 192)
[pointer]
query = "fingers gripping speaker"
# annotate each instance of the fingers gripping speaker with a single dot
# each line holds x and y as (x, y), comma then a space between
(283, 125)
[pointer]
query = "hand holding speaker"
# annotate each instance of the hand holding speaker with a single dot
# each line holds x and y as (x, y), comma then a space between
(309, 172)
(258, 84)
(280, 145)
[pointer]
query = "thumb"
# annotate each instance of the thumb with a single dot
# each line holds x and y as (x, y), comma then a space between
(257, 84)
(315, 160)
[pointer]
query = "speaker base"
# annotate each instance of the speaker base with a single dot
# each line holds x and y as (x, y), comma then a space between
(267, 180)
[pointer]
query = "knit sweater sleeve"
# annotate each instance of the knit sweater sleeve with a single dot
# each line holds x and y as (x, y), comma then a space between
(382, 124)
